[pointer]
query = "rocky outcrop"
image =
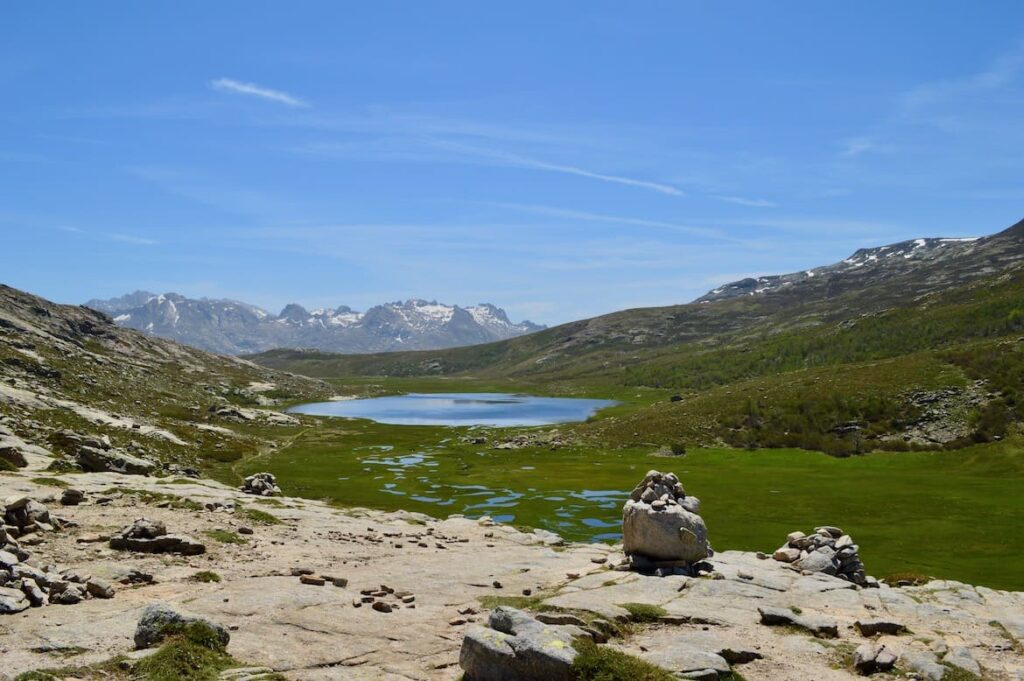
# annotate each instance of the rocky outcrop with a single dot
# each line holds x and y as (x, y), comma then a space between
(661, 525)
(151, 536)
(242, 415)
(869, 658)
(23, 584)
(516, 647)
(261, 484)
(829, 551)
(819, 626)
(158, 621)
(12, 450)
(101, 459)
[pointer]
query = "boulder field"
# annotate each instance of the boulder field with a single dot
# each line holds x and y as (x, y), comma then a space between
(316, 592)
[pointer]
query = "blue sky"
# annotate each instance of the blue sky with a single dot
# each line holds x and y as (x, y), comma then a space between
(558, 159)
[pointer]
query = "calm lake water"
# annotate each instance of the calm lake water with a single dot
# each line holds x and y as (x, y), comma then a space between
(460, 409)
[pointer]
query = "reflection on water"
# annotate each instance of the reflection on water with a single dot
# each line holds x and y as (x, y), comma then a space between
(461, 409)
(575, 513)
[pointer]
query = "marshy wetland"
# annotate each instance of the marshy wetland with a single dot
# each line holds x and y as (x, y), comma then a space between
(949, 514)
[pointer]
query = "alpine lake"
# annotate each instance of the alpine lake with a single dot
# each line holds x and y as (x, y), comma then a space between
(435, 447)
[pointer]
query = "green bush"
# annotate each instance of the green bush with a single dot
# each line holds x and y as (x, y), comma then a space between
(206, 577)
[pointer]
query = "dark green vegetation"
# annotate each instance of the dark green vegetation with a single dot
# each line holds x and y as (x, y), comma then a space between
(226, 537)
(194, 653)
(206, 577)
(50, 482)
(642, 613)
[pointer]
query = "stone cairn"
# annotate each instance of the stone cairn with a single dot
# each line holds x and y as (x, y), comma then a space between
(151, 536)
(23, 582)
(829, 550)
(261, 484)
(662, 531)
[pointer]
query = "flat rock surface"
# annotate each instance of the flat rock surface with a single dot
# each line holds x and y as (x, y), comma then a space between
(311, 632)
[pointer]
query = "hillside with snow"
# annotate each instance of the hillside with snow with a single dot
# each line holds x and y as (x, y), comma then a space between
(233, 327)
(879, 262)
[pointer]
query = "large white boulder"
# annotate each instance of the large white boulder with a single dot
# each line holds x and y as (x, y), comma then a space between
(660, 523)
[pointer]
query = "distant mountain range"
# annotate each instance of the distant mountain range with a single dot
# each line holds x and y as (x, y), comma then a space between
(233, 327)
(666, 346)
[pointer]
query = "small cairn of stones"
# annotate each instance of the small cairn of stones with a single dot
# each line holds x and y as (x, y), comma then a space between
(828, 550)
(261, 484)
(23, 582)
(151, 536)
(662, 531)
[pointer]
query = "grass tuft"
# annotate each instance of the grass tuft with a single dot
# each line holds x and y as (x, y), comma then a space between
(915, 578)
(195, 654)
(601, 663)
(642, 613)
(50, 482)
(226, 537)
(206, 577)
(258, 516)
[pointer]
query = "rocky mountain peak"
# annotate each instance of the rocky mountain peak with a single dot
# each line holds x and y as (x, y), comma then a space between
(234, 327)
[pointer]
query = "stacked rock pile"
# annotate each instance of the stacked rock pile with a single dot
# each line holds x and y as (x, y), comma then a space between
(23, 582)
(661, 527)
(828, 550)
(23, 516)
(261, 484)
(151, 536)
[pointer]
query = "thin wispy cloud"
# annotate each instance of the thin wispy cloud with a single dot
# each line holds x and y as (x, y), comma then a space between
(586, 216)
(518, 161)
(744, 201)
(237, 87)
(1001, 72)
(131, 239)
(580, 172)
(857, 146)
(110, 236)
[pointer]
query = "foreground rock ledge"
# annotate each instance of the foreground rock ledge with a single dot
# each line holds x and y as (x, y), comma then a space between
(311, 633)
